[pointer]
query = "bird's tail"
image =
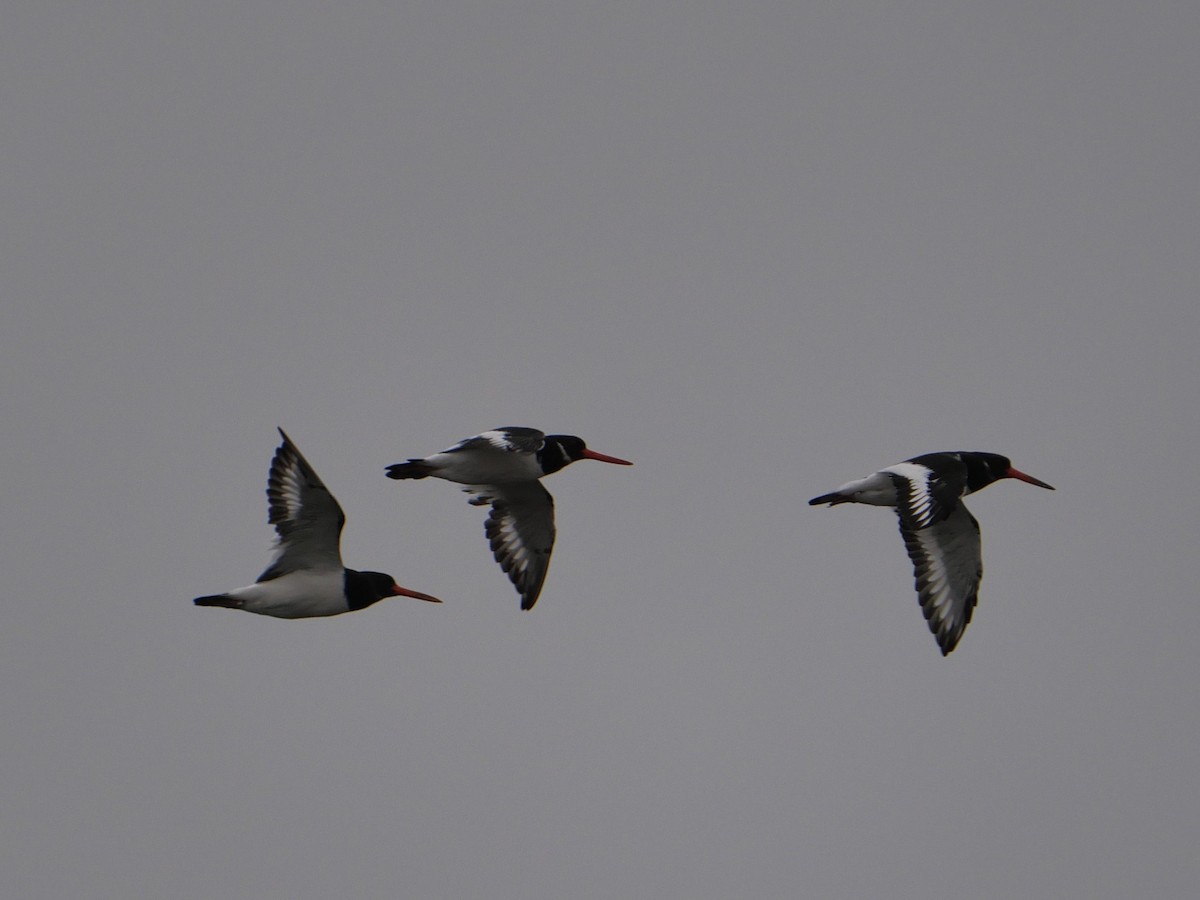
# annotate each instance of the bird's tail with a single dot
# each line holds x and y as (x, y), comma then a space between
(414, 468)
(832, 499)
(218, 600)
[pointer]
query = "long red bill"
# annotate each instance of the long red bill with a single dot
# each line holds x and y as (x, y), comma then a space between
(405, 592)
(1029, 479)
(592, 454)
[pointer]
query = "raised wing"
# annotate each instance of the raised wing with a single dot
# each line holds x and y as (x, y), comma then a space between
(307, 518)
(520, 530)
(948, 565)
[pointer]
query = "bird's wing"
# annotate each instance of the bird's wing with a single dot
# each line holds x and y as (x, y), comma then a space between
(502, 440)
(307, 518)
(924, 495)
(948, 564)
(520, 530)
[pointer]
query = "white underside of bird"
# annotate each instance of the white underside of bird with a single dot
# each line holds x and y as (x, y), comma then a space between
(300, 594)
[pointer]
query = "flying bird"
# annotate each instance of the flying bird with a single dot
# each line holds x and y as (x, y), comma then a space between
(941, 536)
(307, 578)
(501, 468)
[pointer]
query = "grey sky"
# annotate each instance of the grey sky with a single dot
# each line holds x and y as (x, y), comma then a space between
(759, 249)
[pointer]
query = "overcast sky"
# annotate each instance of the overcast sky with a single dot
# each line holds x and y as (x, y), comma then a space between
(760, 249)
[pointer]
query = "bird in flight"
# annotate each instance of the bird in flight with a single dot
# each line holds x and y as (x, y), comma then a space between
(307, 578)
(501, 468)
(941, 536)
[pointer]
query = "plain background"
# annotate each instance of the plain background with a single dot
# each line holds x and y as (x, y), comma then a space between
(758, 248)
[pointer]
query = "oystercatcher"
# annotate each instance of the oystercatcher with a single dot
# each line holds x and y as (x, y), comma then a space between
(502, 467)
(941, 536)
(307, 577)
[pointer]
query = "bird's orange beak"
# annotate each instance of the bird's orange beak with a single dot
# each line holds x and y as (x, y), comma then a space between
(600, 457)
(405, 592)
(1028, 479)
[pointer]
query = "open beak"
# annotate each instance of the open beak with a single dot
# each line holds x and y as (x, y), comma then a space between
(592, 454)
(405, 592)
(1029, 479)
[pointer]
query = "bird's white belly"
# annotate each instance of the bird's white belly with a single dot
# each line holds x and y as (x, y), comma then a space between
(498, 467)
(298, 595)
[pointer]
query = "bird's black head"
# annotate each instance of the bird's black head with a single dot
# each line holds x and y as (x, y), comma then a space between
(984, 468)
(560, 450)
(366, 588)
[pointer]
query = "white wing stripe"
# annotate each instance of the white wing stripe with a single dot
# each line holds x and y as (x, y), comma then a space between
(920, 497)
